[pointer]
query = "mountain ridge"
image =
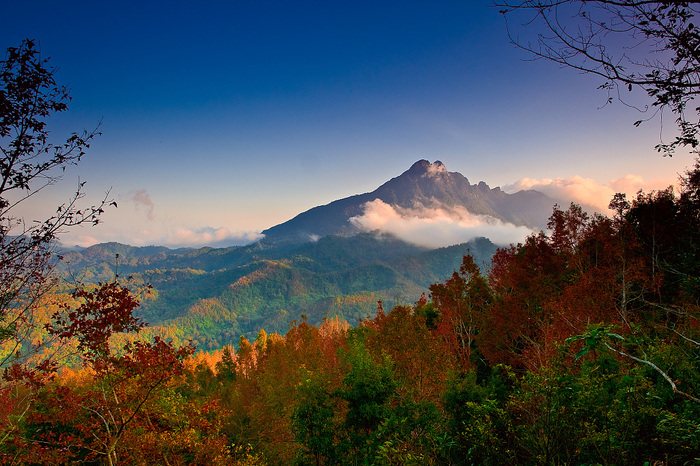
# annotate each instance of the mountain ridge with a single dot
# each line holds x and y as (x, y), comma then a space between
(424, 185)
(214, 295)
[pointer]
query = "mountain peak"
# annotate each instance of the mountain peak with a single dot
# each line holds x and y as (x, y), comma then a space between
(426, 186)
(425, 168)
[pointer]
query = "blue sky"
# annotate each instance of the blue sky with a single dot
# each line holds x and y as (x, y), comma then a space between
(221, 119)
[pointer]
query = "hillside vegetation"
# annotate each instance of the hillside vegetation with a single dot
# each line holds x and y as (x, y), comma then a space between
(213, 296)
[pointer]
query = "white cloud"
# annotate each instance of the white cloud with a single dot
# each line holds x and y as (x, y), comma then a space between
(128, 224)
(207, 236)
(161, 235)
(586, 192)
(436, 227)
(436, 168)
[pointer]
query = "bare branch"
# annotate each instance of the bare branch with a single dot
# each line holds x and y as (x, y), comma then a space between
(652, 46)
(662, 373)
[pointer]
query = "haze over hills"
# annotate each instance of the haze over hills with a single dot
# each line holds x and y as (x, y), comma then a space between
(422, 192)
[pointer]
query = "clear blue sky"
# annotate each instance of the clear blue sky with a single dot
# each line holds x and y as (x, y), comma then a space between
(223, 118)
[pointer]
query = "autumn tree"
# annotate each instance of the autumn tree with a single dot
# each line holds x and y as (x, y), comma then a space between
(629, 44)
(526, 280)
(30, 162)
(462, 302)
(92, 420)
(421, 357)
(666, 225)
(667, 312)
(295, 376)
(552, 286)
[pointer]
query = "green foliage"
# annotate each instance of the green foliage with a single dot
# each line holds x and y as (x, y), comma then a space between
(594, 338)
(478, 421)
(313, 421)
(368, 387)
(414, 433)
(226, 367)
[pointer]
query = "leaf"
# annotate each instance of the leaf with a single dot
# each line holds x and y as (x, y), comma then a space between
(582, 353)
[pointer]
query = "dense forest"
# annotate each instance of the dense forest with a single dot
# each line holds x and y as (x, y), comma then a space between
(579, 346)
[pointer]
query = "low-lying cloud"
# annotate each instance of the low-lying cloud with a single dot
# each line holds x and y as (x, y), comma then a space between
(164, 231)
(588, 193)
(160, 235)
(436, 227)
(208, 236)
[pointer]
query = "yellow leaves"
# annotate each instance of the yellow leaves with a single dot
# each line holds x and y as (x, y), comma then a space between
(34, 341)
(210, 308)
(209, 359)
(333, 328)
(244, 456)
(242, 282)
(76, 376)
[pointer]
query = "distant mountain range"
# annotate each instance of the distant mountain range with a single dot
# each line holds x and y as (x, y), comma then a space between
(423, 186)
(319, 264)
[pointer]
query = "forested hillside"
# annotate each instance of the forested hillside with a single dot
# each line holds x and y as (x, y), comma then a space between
(576, 347)
(213, 296)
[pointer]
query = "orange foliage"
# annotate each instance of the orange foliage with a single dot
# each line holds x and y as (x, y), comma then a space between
(421, 358)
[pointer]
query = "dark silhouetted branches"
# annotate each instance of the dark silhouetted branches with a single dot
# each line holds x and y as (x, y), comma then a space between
(651, 46)
(31, 161)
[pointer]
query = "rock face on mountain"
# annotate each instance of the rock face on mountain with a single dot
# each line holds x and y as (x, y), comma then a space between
(424, 185)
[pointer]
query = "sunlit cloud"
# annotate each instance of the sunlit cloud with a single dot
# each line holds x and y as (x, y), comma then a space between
(584, 191)
(629, 184)
(208, 236)
(436, 169)
(176, 237)
(436, 227)
(588, 193)
(82, 241)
